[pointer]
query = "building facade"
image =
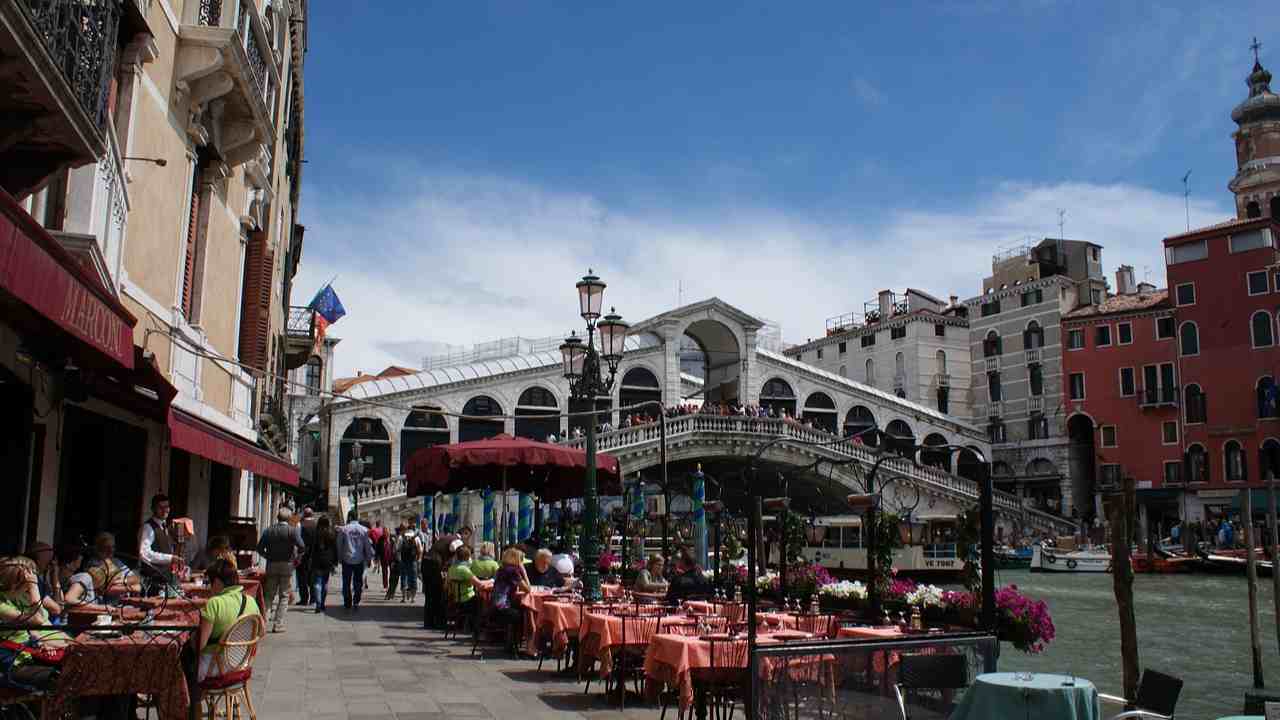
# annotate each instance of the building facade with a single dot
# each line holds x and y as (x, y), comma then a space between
(914, 346)
(166, 171)
(1016, 366)
(309, 390)
(1120, 372)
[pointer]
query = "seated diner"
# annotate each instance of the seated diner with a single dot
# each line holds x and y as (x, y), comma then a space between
(20, 606)
(108, 572)
(650, 578)
(463, 583)
(484, 566)
(687, 581)
(76, 586)
(543, 574)
(504, 604)
(226, 605)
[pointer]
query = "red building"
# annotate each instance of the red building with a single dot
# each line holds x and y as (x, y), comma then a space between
(1224, 281)
(1120, 381)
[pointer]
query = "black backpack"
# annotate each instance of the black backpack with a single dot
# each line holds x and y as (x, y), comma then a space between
(408, 548)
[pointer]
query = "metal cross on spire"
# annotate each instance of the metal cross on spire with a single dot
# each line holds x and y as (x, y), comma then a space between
(1255, 46)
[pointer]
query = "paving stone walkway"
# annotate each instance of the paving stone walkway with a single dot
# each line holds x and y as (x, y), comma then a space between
(380, 663)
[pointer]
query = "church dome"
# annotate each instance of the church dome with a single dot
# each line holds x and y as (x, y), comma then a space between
(1262, 104)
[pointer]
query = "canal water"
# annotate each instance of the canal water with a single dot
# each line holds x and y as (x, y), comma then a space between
(1195, 627)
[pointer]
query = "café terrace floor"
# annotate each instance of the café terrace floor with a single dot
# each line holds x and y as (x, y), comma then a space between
(380, 663)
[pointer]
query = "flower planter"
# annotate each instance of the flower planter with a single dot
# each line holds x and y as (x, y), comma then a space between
(832, 603)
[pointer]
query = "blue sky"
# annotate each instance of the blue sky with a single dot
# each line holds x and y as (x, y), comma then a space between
(468, 160)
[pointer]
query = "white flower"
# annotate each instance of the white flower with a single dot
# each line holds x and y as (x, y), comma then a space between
(709, 574)
(765, 582)
(844, 590)
(925, 596)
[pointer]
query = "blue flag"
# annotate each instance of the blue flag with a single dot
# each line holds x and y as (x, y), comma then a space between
(327, 304)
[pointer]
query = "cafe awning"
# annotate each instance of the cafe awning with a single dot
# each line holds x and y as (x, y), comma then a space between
(46, 292)
(190, 433)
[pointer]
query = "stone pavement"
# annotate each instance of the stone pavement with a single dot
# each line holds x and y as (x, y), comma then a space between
(380, 663)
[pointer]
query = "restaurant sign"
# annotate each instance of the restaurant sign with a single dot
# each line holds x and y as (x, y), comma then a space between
(38, 272)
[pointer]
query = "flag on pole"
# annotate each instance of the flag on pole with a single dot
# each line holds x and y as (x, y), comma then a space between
(326, 310)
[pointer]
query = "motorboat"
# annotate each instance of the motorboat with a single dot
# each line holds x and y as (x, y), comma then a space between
(1048, 559)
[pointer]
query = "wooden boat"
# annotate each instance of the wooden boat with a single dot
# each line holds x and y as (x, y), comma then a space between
(1008, 558)
(1054, 560)
(1216, 564)
(1161, 564)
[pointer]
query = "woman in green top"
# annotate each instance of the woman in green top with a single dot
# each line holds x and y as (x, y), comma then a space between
(226, 606)
(485, 566)
(20, 605)
(463, 583)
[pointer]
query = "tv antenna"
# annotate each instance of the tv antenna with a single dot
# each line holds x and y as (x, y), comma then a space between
(1186, 194)
(1062, 221)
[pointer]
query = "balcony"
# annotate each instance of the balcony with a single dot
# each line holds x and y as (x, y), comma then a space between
(1032, 356)
(300, 336)
(57, 58)
(992, 364)
(1035, 404)
(991, 410)
(943, 380)
(227, 76)
(1158, 397)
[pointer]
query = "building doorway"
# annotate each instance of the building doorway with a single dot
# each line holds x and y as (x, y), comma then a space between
(101, 479)
(1083, 468)
(17, 455)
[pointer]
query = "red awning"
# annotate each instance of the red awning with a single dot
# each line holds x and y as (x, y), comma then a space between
(44, 277)
(198, 437)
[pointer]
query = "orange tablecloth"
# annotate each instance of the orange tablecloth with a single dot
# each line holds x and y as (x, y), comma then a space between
(670, 659)
(880, 660)
(601, 633)
(557, 619)
(124, 666)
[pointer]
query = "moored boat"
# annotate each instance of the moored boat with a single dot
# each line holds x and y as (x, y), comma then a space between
(1217, 564)
(1053, 560)
(1008, 558)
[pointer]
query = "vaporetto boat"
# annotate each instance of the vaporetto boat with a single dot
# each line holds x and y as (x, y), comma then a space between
(1053, 560)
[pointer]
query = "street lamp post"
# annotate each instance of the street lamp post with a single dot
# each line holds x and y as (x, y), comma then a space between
(355, 471)
(585, 372)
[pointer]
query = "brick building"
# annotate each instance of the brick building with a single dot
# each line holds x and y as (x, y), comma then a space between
(1120, 377)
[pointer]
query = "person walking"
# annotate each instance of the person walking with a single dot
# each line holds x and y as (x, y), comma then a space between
(379, 536)
(408, 555)
(307, 527)
(279, 545)
(356, 553)
(387, 557)
(323, 557)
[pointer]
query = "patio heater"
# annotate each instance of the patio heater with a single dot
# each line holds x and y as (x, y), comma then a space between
(587, 382)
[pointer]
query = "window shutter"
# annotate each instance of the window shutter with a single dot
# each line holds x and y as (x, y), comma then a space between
(189, 259)
(255, 304)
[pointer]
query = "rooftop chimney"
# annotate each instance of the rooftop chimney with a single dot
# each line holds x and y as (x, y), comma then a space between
(1124, 280)
(886, 304)
(954, 300)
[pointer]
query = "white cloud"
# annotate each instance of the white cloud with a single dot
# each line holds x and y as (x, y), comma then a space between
(461, 259)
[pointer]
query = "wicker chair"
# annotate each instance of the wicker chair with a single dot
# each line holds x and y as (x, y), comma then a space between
(225, 693)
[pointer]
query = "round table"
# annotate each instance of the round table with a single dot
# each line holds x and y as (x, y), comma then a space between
(1045, 696)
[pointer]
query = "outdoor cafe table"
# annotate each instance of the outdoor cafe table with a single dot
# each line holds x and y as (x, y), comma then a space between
(601, 633)
(140, 663)
(671, 659)
(556, 619)
(1045, 696)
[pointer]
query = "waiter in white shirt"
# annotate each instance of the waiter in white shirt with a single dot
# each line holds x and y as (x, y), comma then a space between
(155, 544)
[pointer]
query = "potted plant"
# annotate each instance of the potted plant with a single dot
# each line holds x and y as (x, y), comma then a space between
(1022, 621)
(842, 595)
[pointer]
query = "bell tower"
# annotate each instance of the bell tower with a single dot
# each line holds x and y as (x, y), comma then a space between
(1256, 184)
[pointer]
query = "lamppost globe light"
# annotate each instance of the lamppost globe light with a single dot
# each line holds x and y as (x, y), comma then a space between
(356, 449)
(613, 337)
(590, 296)
(573, 353)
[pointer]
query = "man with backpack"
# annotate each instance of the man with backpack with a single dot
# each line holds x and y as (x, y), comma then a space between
(408, 555)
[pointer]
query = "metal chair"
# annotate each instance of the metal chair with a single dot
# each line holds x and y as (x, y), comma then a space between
(1157, 697)
(456, 615)
(628, 663)
(918, 673)
(226, 691)
(725, 680)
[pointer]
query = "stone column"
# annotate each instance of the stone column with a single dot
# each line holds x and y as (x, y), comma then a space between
(671, 363)
(747, 390)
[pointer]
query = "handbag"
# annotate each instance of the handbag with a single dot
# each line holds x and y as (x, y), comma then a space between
(38, 653)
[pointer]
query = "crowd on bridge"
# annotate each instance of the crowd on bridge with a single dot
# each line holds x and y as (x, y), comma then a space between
(718, 409)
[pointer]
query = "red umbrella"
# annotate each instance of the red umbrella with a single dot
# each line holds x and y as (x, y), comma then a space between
(552, 472)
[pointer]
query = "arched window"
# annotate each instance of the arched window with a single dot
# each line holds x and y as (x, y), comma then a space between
(1269, 459)
(375, 448)
(639, 385)
(472, 428)
(1268, 398)
(1033, 336)
(941, 358)
(537, 414)
(859, 420)
(936, 458)
(991, 346)
(844, 371)
(898, 437)
(1197, 463)
(1040, 467)
(821, 410)
(424, 427)
(1233, 461)
(1261, 329)
(1193, 399)
(871, 372)
(1189, 339)
(1253, 210)
(1001, 468)
(778, 396)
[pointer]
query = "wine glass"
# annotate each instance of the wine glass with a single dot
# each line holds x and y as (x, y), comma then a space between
(887, 620)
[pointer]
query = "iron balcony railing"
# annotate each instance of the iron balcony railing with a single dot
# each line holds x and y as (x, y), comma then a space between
(210, 14)
(301, 323)
(1031, 355)
(943, 379)
(81, 36)
(1157, 396)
